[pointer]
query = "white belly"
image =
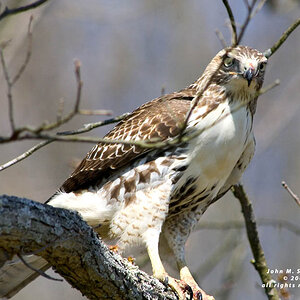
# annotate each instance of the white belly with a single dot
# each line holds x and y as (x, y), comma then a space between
(213, 154)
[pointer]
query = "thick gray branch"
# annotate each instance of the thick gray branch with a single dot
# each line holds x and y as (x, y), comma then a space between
(74, 250)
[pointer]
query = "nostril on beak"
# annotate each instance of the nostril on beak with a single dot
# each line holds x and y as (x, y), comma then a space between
(248, 75)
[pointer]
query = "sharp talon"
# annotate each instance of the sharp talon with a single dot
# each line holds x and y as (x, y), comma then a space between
(165, 282)
(199, 295)
(188, 289)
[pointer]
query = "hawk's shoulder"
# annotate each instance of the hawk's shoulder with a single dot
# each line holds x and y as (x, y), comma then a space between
(158, 119)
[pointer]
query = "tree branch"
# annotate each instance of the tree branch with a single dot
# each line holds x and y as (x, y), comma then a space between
(268, 53)
(91, 126)
(232, 22)
(28, 53)
(58, 234)
(221, 38)
(259, 260)
(9, 93)
(13, 11)
(60, 120)
(237, 38)
(246, 22)
(25, 154)
(293, 195)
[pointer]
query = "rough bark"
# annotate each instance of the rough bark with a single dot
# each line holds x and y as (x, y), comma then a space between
(74, 250)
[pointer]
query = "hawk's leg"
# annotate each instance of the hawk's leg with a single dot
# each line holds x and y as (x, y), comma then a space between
(177, 230)
(159, 271)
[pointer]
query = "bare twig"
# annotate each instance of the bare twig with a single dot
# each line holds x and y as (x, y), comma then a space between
(253, 9)
(221, 38)
(47, 139)
(11, 82)
(79, 86)
(60, 109)
(259, 261)
(90, 126)
(59, 120)
(258, 7)
(269, 52)
(70, 115)
(12, 11)
(95, 112)
(247, 4)
(40, 272)
(28, 54)
(294, 196)
(246, 22)
(234, 39)
(9, 88)
(16, 132)
(269, 87)
(24, 155)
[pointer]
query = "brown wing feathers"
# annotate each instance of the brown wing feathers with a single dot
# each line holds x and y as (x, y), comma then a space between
(159, 118)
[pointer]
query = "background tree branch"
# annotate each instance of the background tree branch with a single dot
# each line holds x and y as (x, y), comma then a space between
(13, 11)
(74, 250)
(259, 260)
(269, 52)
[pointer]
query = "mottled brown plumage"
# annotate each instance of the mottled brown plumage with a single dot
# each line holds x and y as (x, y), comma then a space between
(158, 119)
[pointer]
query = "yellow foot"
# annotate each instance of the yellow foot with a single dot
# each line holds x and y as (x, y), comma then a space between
(114, 248)
(184, 290)
(131, 260)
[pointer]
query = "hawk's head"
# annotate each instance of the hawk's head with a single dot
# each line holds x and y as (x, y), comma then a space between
(239, 69)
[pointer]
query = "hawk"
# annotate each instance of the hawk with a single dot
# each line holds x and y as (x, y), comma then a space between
(206, 141)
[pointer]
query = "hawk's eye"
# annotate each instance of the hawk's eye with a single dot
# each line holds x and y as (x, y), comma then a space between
(228, 62)
(262, 67)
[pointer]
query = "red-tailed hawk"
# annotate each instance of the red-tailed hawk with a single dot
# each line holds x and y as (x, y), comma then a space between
(138, 193)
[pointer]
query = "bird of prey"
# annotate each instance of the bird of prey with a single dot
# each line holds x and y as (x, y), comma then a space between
(194, 145)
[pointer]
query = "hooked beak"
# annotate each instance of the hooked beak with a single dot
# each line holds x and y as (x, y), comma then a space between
(249, 74)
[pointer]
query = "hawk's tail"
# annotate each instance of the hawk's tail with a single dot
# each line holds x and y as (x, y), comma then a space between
(15, 275)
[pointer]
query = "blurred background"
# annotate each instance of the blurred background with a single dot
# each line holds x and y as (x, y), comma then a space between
(130, 50)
